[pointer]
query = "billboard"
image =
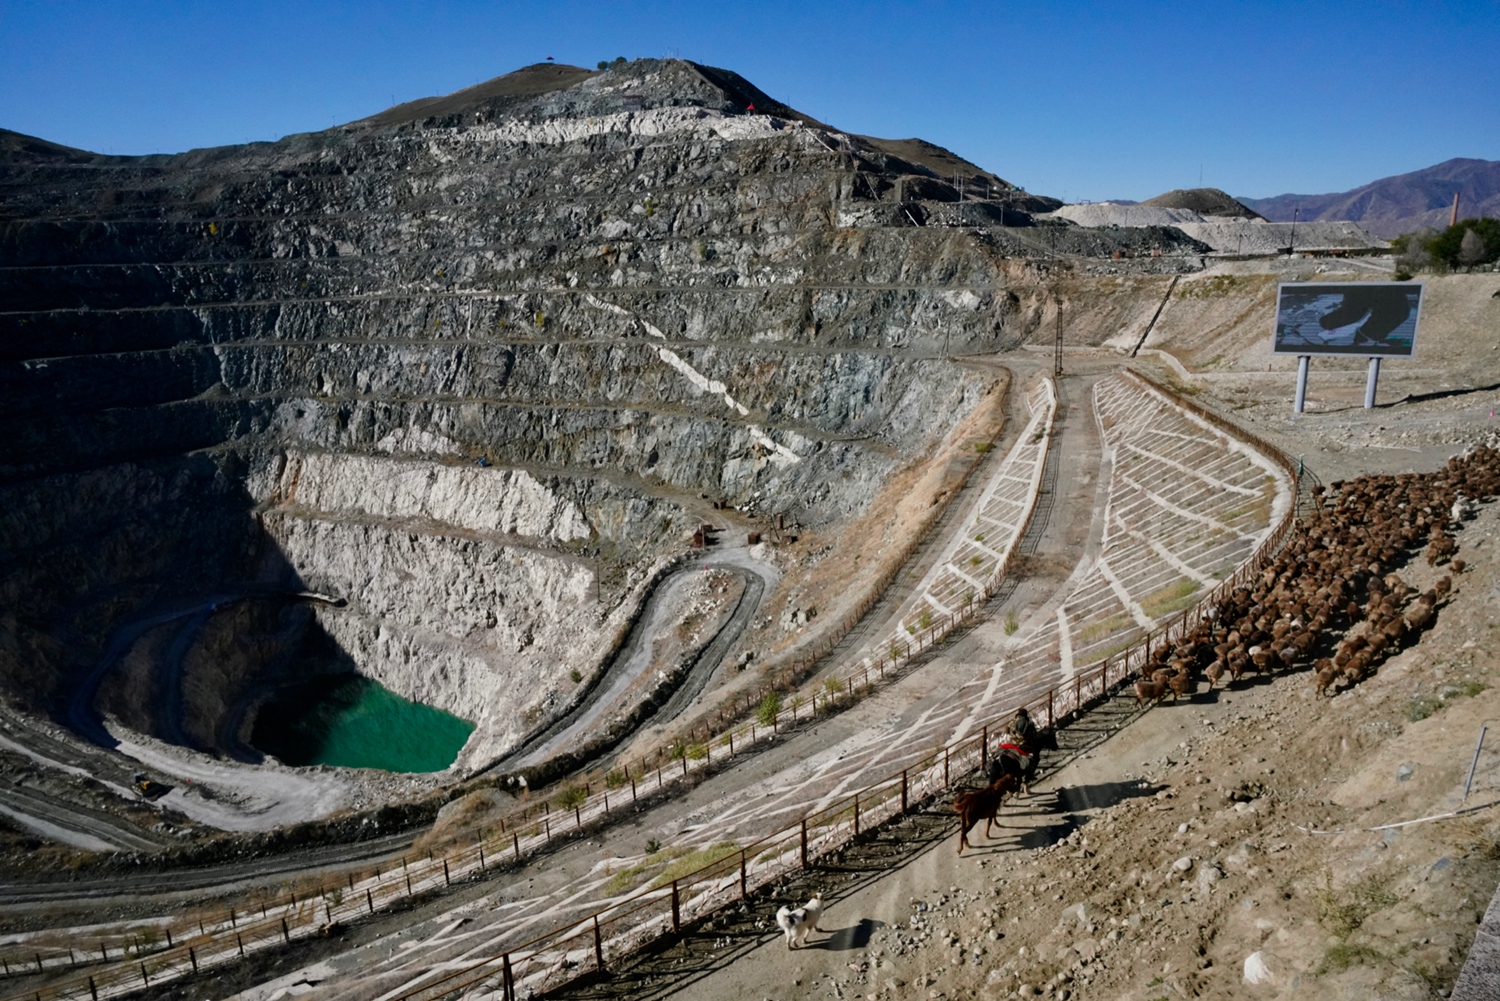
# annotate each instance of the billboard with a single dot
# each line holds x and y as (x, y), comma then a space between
(1364, 319)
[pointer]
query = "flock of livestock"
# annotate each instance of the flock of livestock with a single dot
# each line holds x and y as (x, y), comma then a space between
(1333, 589)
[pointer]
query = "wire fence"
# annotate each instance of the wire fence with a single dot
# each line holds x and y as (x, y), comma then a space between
(586, 945)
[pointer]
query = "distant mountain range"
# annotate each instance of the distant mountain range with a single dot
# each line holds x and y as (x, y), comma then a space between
(1395, 205)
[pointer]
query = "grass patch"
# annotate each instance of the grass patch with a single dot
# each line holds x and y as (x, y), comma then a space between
(1105, 627)
(667, 864)
(569, 797)
(1172, 598)
(1260, 508)
(1343, 913)
(1340, 957)
(1424, 706)
(1011, 623)
(693, 861)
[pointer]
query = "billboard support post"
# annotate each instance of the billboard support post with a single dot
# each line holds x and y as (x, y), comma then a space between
(1370, 382)
(1302, 361)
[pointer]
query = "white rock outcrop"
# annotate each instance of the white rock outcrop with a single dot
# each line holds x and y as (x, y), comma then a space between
(457, 595)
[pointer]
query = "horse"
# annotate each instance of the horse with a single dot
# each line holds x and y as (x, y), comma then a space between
(1020, 757)
(982, 804)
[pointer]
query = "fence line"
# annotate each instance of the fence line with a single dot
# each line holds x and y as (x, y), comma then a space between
(589, 943)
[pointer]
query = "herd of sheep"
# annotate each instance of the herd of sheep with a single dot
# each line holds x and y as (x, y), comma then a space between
(1332, 599)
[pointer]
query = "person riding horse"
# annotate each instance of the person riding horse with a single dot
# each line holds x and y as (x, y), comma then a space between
(1019, 751)
(1024, 729)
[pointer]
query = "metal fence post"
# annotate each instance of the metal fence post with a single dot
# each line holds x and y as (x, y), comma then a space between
(676, 908)
(744, 893)
(804, 842)
(946, 782)
(984, 746)
(598, 944)
(507, 981)
(903, 791)
(856, 815)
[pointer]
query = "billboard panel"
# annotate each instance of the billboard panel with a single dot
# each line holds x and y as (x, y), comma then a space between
(1365, 319)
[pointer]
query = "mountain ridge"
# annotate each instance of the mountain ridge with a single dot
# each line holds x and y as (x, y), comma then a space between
(1390, 206)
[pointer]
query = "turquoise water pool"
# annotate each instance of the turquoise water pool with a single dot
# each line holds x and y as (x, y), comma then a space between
(353, 722)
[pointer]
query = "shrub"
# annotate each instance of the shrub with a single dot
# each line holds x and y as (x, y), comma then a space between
(569, 797)
(1011, 623)
(1483, 246)
(770, 708)
(616, 778)
(576, 675)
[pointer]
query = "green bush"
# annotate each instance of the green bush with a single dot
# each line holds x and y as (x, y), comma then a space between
(1469, 243)
(1456, 248)
(569, 797)
(770, 708)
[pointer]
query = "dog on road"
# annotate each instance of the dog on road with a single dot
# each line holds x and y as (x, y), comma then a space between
(796, 922)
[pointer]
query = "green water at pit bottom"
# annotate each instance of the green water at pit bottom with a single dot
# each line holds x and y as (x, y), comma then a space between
(353, 722)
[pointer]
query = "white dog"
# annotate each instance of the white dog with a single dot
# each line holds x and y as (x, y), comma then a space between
(796, 922)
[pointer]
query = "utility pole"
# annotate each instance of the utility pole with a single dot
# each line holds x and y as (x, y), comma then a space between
(1057, 349)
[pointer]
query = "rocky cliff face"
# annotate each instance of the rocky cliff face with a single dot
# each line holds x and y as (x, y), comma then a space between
(452, 365)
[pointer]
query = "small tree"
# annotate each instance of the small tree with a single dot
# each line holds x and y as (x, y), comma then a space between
(1447, 246)
(770, 708)
(1411, 250)
(1471, 249)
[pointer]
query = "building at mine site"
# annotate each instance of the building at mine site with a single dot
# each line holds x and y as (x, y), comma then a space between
(456, 552)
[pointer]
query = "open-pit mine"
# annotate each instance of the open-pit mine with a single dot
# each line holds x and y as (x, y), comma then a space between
(511, 544)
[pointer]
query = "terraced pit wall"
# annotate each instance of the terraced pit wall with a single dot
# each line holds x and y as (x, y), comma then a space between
(475, 378)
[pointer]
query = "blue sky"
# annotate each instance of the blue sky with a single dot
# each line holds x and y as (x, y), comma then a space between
(1078, 100)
